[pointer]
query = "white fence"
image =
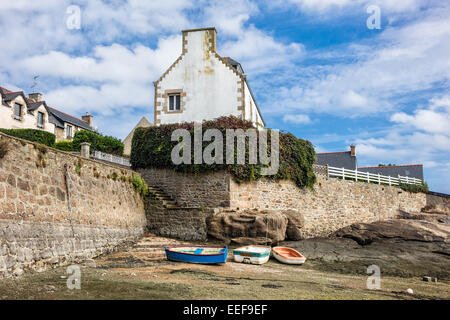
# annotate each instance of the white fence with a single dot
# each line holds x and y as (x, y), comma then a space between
(370, 177)
(111, 158)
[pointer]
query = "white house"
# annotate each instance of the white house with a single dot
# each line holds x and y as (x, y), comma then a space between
(202, 85)
(20, 112)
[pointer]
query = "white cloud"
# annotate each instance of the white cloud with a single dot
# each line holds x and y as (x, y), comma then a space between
(297, 118)
(375, 76)
(327, 6)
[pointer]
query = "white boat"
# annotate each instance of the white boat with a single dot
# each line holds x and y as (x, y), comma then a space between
(252, 254)
(288, 255)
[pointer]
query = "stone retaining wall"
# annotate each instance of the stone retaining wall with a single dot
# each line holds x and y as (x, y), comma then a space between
(189, 190)
(332, 205)
(34, 202)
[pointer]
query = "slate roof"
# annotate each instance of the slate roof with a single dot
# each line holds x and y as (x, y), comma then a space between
(409, 170)
(235, 64)
(336, 159)
(62, 117)
(55, 116)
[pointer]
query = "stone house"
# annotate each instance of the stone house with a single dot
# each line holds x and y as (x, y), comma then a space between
(127, 141)
(202, 85)
(20, 112)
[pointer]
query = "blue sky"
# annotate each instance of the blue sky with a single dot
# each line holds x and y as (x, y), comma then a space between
(314, 66)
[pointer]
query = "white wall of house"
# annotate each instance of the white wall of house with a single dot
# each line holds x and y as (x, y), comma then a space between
(27, 121)
(209, 86)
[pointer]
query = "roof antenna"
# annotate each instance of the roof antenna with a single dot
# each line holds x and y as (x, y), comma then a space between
(34, 82)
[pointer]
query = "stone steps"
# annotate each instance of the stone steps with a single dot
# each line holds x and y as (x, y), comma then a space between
(163, 197)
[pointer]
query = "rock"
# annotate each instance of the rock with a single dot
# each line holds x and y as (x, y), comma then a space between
(228, 225)
(429, 279)
(296, 221)
(410, 230)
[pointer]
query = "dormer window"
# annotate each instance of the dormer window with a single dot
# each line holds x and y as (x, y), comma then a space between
(40, 119)
(17, 111)
(174, 102)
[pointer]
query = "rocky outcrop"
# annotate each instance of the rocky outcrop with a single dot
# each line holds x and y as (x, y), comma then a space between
(240, 226)
(408, 230)
(296, 221)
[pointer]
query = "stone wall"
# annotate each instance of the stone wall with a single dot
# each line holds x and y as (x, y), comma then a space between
(181, 223)
(202, 190)
(332, 205)
(34, 203)
(440, 203)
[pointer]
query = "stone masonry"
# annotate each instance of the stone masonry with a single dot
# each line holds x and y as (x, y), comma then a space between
(332, 204)
(37, 229)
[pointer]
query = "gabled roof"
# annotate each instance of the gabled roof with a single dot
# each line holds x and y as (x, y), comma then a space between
(342, 159)
(142, 123)
(64, 117)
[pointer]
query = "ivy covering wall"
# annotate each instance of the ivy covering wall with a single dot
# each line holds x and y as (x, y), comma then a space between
(152, 147)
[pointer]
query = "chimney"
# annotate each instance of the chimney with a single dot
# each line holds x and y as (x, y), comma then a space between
(353, 150)
(87, 118)
(35, 96)
(196, 39)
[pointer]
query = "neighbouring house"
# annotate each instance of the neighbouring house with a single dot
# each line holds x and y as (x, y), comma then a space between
(408, 170)
(202, 85)
(20, 112)
(341, 159)
(143, 123)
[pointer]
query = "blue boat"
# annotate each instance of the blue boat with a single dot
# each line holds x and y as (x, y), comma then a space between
(197, 254)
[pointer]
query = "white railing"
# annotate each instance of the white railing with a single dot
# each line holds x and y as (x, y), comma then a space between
(370, 177)
(111, 158)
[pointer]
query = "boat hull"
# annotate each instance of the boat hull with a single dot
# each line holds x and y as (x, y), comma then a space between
(220, 257)
(294, 257)
(252, 254)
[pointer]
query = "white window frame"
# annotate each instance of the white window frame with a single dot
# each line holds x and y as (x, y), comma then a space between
(176, 102)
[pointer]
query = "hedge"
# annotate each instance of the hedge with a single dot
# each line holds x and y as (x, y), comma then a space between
(414, 188)
(34, 135)
(65, 145)
(152, 147)
(100, 142)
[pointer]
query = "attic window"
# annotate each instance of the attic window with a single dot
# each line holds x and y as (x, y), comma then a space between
(17, 111)
(40, 119)
(174, 102)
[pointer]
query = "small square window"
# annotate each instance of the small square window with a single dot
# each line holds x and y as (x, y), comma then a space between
(175, 102)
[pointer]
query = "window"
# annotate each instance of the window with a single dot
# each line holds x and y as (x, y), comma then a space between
(175, 102)
(69, 131)
(40, 119)
(17, 111)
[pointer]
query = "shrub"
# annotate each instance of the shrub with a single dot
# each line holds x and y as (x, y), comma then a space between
(34, 135)
(106, 144)
(415, 188)
(65, 145)
(139, 185)
(152, 147)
